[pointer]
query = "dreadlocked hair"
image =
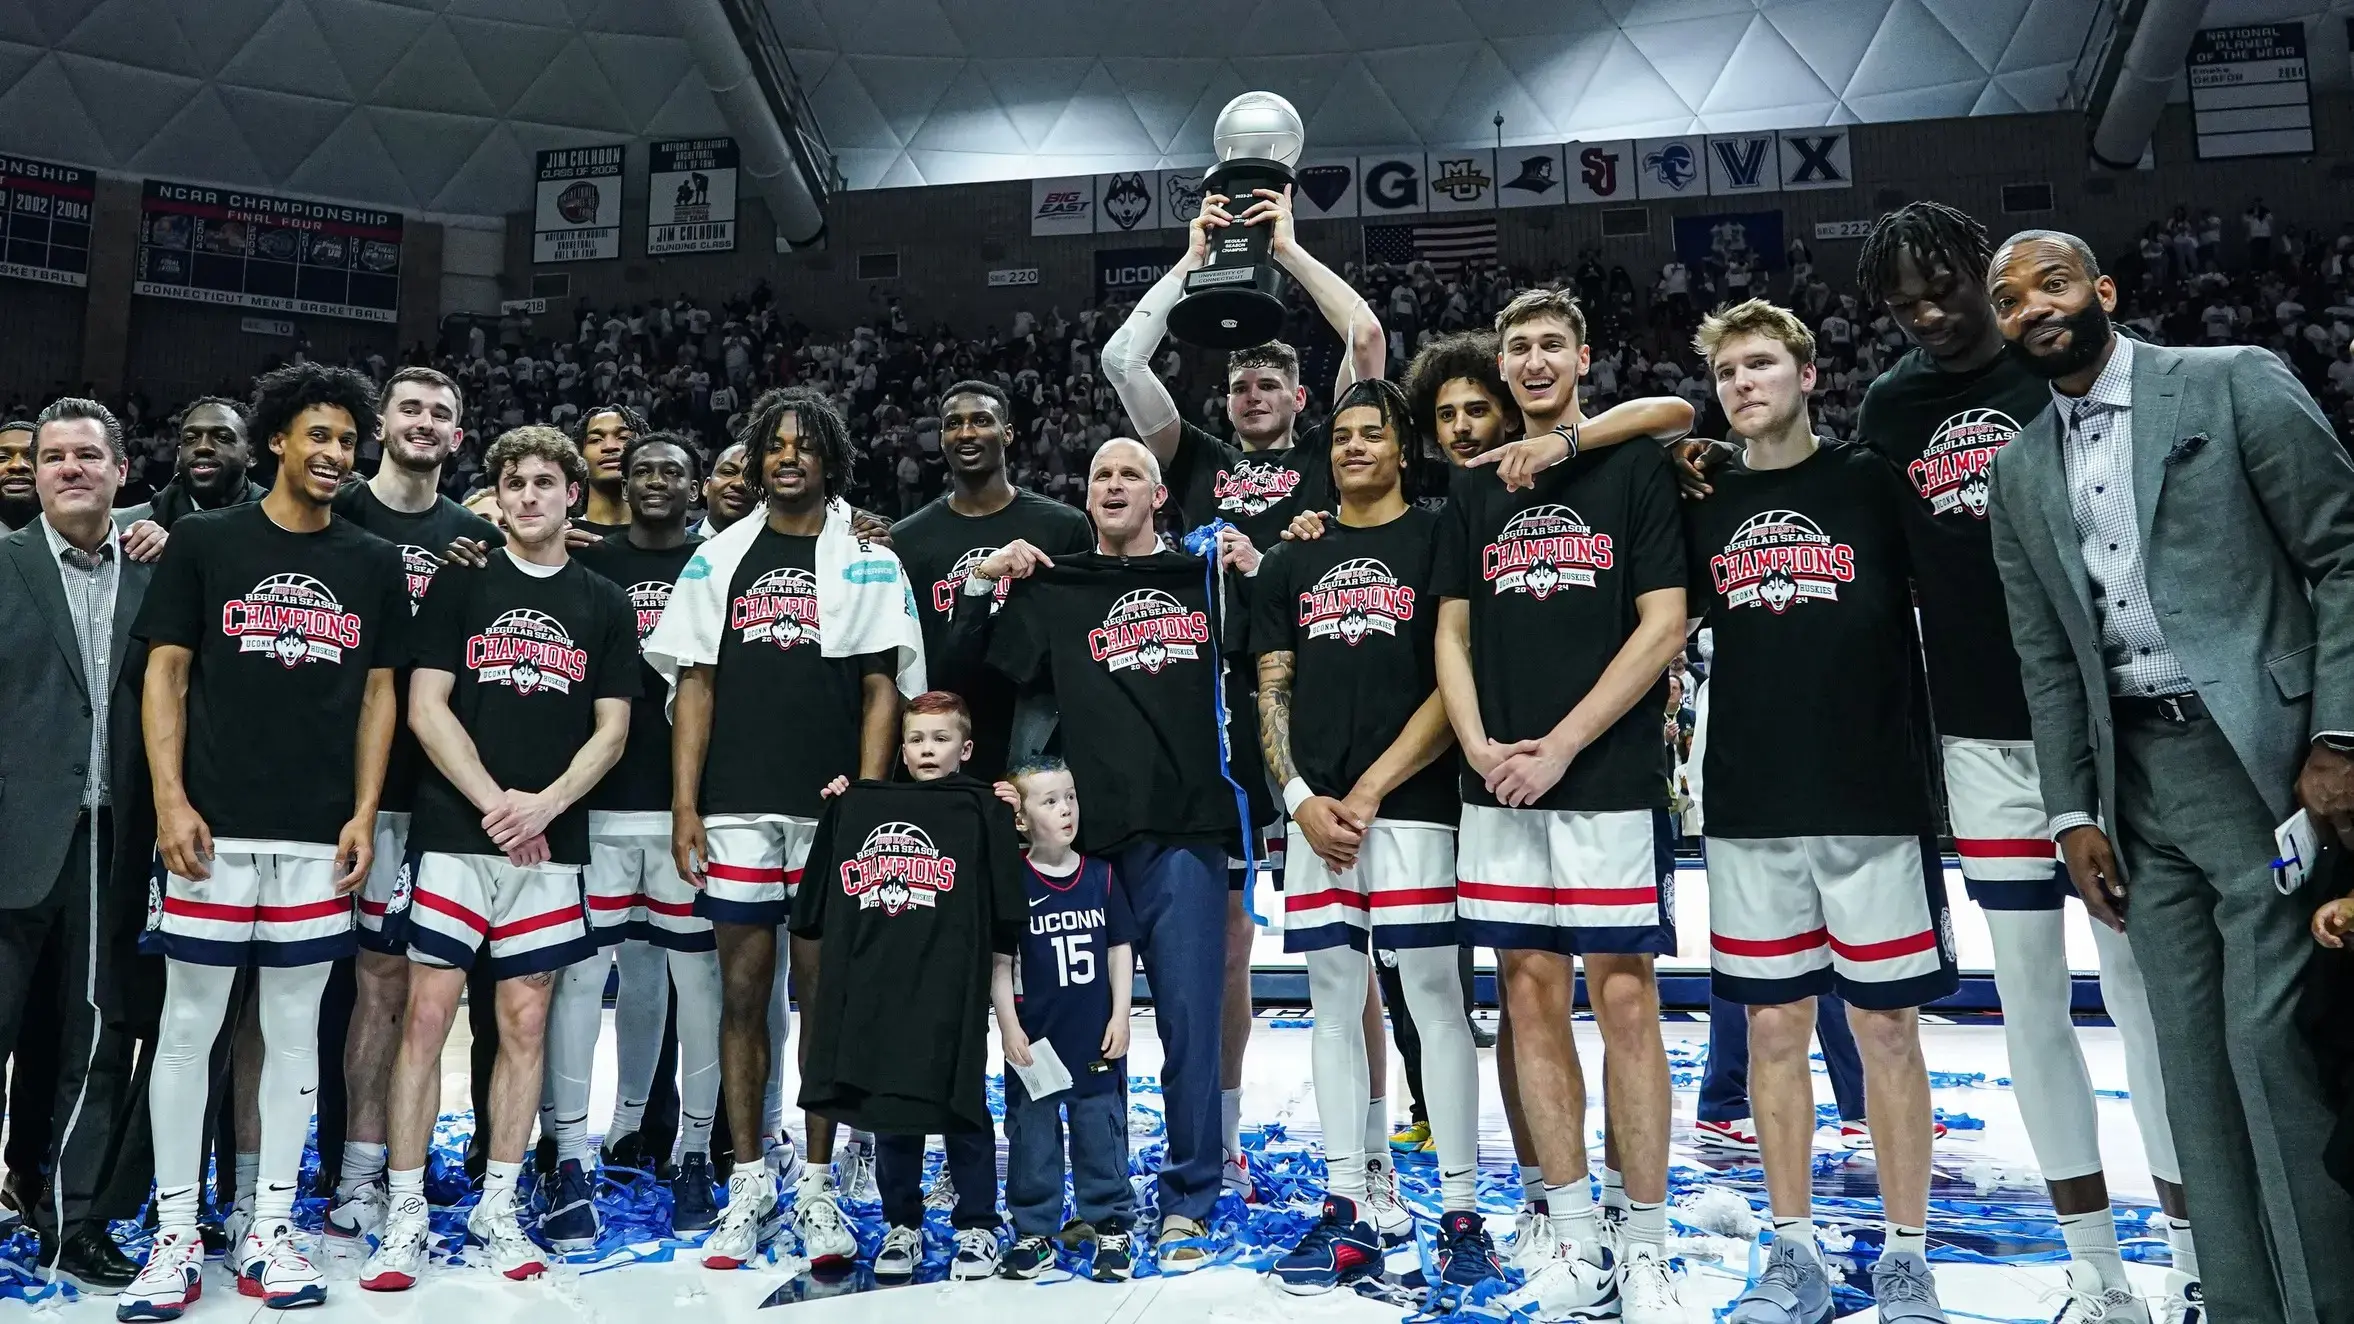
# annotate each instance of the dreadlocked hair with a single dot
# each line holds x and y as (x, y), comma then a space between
(1421, 472)
(1470, 355)
(817, 424)
(1933, 233)
(281, 395)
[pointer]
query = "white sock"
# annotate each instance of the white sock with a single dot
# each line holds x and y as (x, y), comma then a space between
(1901, 1240)
(498, 1179)
(405, 1181)
(2092, 1239)
(1571, 1210)
(1230, 1116)
(1646, 1224)
(363, 1162)
(1377, 1126)
(2178, 1236)
(1614, 1189)
(249, 1176)
(815, 1177)
(1802, 1231)
(1347, 1179)
(1532, 1184)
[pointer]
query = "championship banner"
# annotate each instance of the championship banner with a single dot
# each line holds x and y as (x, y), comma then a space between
(578, 214)
(47, 220)
(253, 250)
(2249, 94)
(1062, 206)
(1124, 273)
(691, 196)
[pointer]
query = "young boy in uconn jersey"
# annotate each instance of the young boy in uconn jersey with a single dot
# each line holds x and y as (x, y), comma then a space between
(1823, 869)
(521, 694)
(1070, 987)
(272, 607)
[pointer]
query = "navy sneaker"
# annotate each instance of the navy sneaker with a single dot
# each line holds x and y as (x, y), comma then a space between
(1114, 1260)
(1466, 1258)
(1339, 1249)
(1027, 1258)
(570, 1223)
(693, 1206)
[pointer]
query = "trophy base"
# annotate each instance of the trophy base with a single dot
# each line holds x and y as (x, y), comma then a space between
(1236, 317)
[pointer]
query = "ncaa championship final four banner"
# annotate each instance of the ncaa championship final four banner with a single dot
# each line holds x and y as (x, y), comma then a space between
(577, 214)
(45, 210)
(255, 250)
(691, 197)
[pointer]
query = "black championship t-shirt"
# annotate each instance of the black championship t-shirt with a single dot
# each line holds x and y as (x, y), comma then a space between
(939, 548)
(285, 628)
(640, 783)
(1552, 574)
(912, 888)
(1356, 610)
(1942, 429)
(784, 716)
(1814, 710)
(1255, 491)
(1129, 645)
(532, 655)
(421, 538)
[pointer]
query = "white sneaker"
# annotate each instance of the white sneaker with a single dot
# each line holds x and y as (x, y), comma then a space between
(1567, 1287)
(746, 1221)
(357, 1216)
(276, 1270)
(1647, 1288)
(403, 1244)
(1532, 1239)
(900, 1255)
(826, 1239)
(854, 1168)
(2183, 1302)
(168, 1283)
(941, 1194)
(976, 1255)
(1379, 1206)
(495, 1226)
(1237, 1177)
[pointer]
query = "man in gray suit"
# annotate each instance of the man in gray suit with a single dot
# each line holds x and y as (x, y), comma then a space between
(2176, 541)
(67, 599)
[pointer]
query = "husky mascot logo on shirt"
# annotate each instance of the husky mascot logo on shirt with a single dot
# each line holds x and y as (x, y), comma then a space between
(779, 608)
(293, 618)
(527, 651)
(1952, 473)
(1147, 630)
(1778, 559)
(897, 870)
(1353, 599)
(1542, 549)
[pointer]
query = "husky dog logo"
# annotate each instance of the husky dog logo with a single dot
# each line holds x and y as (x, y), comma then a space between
(1147, 630)
(898, 869)
(1354, 599)
(404, 887)
(1543, 549)
(778, 608)
(527, 651)
(1955, 468)
(1126, 200)
(1780, 559)
(293, 618)
(1673, 166)
(155, 898)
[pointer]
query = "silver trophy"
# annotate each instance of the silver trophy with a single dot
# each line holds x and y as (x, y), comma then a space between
(1235, 299)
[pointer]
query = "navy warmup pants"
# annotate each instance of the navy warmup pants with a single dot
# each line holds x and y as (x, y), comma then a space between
(1724, 1091)
(1178, 896)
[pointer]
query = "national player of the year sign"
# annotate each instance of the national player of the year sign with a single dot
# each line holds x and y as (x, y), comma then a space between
(691, 196)
(45, 212)
(256, 250)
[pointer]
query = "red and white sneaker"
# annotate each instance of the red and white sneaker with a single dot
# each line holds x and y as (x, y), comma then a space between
(168, 1283)
(1738, 1134)
(402, 1246)
(1237, 1176)
(494, 1226)
(1858, 1135)
(273, 1267)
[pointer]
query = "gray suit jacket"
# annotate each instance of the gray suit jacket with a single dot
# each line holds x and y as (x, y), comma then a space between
(2245, 503)
(45, 741)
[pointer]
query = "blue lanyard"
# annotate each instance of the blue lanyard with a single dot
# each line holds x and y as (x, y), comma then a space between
(1203, 542)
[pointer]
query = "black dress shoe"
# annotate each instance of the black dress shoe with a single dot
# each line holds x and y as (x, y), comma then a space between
(92, 1262)
(1482, 1036)
(214, 1236)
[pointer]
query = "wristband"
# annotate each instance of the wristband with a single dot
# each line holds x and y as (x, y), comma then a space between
(1295, 794)
(975, 586)
(1567, 432)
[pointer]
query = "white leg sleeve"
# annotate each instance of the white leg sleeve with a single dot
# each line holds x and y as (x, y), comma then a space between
(576, 1014)
(2047, 1066)
(290, 1080)
(638, 1013)
(696, 975)
(2129, 1007)
(195, 1002)
(1336, 991)
(780, 1023)
(1450, 1068)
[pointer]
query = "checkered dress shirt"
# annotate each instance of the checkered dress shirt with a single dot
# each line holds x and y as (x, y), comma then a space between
(90, 580)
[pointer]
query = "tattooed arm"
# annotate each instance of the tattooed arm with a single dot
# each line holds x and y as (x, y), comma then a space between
(1331, 831)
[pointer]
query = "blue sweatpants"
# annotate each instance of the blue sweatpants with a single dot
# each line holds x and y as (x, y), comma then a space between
(1177, 894)
(1724, 1091)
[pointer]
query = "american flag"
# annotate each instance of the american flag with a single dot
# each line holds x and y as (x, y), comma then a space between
(1445, 245)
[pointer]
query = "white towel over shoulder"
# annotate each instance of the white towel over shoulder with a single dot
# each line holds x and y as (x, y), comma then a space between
(864, 604)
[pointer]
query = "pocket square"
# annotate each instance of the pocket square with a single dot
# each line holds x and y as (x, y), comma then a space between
(2186, 448)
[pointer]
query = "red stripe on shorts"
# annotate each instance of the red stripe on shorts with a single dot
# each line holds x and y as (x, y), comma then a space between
(1299, 901)
(308, 910)
(1889, 950)
(452, 909)
(2003, 848)
(1541, 895)
(737, 873)
(544, 920)
(674, 909)
(630, 902)
(212, 910)
(1792, 946)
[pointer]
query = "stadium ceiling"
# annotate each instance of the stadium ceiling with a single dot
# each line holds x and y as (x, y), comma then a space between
(436, 106)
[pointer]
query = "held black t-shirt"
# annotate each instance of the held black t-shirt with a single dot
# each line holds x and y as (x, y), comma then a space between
(1255, 491)
(784, 717)
(421, 538)
(531, 656)
(1942, 431)
(1814, 710)
(1129, 646)
(640, 783)
(285, 628)
(1355, 609)
(1552, 574)
(940, 548)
